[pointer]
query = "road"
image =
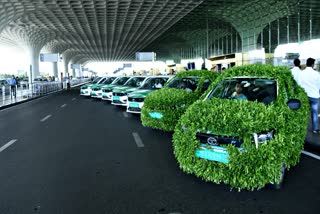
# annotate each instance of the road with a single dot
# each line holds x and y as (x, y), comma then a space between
(70, 154)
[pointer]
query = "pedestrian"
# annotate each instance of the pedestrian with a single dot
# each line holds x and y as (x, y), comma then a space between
(309, 80)
(13, 82)
(214, 68)
(296, 71)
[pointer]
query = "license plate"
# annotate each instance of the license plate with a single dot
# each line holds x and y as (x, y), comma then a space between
(115, 98)
(99, 94)
(156, 115)
(219, 155)
(134, 105)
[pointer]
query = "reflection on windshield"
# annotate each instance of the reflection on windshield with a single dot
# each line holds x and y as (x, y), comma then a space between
(108, 80)
(96, 80)
(188, 84)
(135, 82)
(154, 83)
(252, 89)
(121, 81)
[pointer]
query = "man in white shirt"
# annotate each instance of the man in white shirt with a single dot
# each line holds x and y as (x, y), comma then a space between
(295, 71)
(309, 80)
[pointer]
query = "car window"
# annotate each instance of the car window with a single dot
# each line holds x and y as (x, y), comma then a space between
(154, 83)
(96, 80)
(187, 83)
(135, 82)
(205, 85)
(108, 80)
(252, 89)
(121, 81)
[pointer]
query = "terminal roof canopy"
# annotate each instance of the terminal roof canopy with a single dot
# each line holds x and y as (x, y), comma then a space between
(113, 30)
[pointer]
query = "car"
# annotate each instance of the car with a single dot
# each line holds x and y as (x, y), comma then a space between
(163, 108)
(107, 89)
(96, 91)
(136, 98)
(120, 93)
(247, 130)
(85, 90)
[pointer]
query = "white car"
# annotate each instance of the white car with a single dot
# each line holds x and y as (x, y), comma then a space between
(96, 91)
(86, 89)
(120, 94)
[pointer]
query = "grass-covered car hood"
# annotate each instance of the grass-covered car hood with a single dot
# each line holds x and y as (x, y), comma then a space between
(141, 93)
(160, 99)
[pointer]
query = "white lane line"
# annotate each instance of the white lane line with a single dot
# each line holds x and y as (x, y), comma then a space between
(125, 114)
(73, 99)
(311, 155)
(45, 118)
(7, 145)
(138, 140)
(64, 105)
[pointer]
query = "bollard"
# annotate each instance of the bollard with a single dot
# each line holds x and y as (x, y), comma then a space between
(3, 93)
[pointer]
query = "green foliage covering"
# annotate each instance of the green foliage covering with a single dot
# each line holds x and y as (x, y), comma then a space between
(172, 103)
(253, 167)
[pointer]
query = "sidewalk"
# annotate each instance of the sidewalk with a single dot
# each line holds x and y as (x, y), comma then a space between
(25, 95)
(312, 142)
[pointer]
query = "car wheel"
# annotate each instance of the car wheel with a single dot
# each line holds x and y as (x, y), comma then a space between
(282, 175)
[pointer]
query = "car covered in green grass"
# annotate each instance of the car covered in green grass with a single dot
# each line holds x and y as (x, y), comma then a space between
(85, 90)
(120, 94)
(163, 108)
(247, 130)
(107, 89)
(96, 91)
(136, 98)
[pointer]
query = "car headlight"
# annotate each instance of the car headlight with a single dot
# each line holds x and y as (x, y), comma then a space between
(178, 106)
(262, 137)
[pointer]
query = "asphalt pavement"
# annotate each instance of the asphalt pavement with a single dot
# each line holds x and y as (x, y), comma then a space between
(70, 154)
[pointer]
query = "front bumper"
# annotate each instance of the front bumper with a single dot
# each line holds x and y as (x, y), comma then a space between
(119, 100)
(96, 94)
(85, 92)
(134, 107)
(107, 96)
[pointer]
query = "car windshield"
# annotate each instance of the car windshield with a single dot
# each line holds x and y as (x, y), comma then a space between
(186, 83)
(109, 80)
(154, 83)
(135, 81)
(96, 80)
(252, 89)
(121, 81)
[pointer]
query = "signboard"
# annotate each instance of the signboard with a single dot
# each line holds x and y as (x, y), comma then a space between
(145, 56)
(50, 57)
(75, 66)
(127, 65)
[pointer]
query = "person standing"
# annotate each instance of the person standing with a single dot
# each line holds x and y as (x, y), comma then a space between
(309, 80)
(295, 71)
(13, 82)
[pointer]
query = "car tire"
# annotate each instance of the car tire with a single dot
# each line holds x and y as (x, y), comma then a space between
(282, 176)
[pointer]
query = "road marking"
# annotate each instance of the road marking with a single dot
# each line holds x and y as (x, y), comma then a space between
(138, 140)
(64, 105)
(45, 118)
(311, 155)
(7, 145)
(73, 99)
(125, 114)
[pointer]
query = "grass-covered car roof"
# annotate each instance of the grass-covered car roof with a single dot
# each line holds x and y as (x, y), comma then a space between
(171, 103)
(252, 167)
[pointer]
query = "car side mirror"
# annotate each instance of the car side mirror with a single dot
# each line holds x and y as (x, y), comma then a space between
(294, 104)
